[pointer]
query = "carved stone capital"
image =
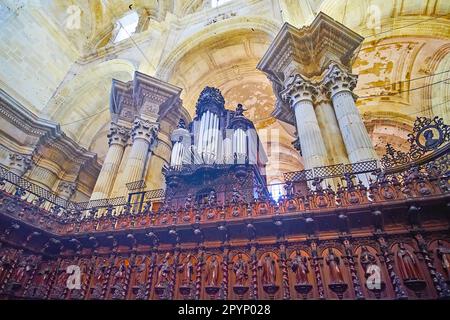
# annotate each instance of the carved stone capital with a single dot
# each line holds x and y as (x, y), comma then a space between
(146, 130)
(66, 189)
(19, 163)
(298, 89)
(118, 134)
(322, 95)
(337, 79)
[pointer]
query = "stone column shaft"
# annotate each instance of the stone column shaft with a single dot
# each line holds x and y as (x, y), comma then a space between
(357, 141)
(300, 95)
(118, 137)
(144, 134)
(331, 133)
(136, 160)
(119, 188)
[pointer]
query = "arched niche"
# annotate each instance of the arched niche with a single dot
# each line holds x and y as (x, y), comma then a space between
(367, 254)
(411, 269)
(266, 260)
(440, 253)
(139, 276)
(213, 264)
(330, 275)
(246, 282)
(186, 261)
(163, 275)
(298, 259)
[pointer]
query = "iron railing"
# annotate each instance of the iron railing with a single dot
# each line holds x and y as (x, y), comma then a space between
(333, 171)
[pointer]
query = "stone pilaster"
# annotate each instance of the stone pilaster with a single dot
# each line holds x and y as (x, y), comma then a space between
(118, 137)
(19, 164)
(329, 128)
(340, 84)
(144, 134)
(299, 93)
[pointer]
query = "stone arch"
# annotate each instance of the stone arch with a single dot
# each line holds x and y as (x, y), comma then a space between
(81, 104)
(225, 55)
(166, 66)
(355, 14)
(439, 94)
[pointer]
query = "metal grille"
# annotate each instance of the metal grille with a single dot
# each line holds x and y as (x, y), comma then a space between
(140, 184)
(361, 167)
(329, 171)
(154, 194)
(332, 171)
(34, 189)
(303, 175)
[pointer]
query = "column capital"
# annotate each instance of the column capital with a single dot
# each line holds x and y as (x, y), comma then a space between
(337, 79)
(118, 134)
(298, 89)
(66, 189)
(322, 94)
(143, 129)
(19, 163)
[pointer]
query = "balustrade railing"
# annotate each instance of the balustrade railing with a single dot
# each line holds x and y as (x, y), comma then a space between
(314, 194)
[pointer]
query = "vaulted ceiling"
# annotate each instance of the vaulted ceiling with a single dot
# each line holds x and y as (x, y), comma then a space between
(62, 69)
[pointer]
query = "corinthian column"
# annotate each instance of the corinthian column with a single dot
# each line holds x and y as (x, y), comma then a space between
(143, 134)
(299, 93)
(357, 141)
(118, 137)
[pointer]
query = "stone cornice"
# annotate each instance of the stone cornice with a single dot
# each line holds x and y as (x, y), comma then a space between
(145, 96)
(154, 98)
(28, 122)
(310, 48)
(121, 104)
(48, 134)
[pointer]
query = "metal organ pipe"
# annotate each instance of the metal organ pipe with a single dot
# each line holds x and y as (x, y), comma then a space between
(200, 132)
(228, 149)
(177, 154)
(239, 143)
(180, 154)
(215, 136)
(210, 134)
(206, 132)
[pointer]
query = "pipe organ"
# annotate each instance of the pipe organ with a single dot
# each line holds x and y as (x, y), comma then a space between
(220, 149)
(216, 135)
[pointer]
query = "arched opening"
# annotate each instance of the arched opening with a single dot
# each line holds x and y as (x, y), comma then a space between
(228, 61)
